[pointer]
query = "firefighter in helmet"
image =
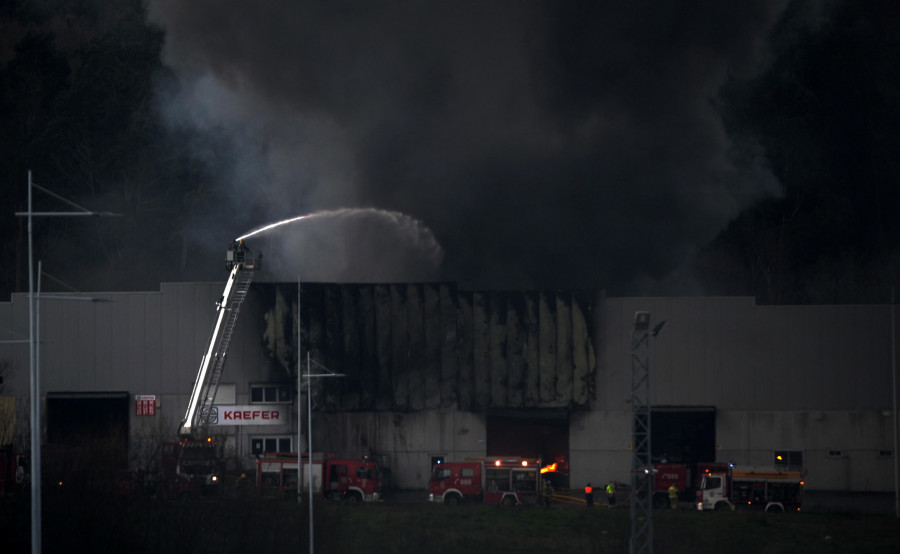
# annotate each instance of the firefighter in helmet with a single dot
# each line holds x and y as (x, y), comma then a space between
(546, 491)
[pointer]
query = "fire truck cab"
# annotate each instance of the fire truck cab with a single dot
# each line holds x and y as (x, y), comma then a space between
(505, 481)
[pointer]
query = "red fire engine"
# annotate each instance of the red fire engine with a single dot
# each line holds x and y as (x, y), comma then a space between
(765, 488)
(13, 470)
(342, 479)
(506, 481)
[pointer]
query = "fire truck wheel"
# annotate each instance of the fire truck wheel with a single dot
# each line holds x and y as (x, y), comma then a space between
(452, 499)
(508, 501)
(353, 498)
(721, 506)
(774, 508)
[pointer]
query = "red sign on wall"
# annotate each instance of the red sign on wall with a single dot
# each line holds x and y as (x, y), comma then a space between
(144, 404)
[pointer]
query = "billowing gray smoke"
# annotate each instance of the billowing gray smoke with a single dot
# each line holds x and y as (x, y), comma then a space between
(546, 144)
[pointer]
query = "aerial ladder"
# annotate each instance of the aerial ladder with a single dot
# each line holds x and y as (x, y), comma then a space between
(242, 263)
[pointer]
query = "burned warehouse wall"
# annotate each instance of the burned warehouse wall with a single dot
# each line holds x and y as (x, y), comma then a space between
(426, 346)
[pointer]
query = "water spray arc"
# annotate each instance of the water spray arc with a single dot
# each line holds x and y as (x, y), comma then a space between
(352, 245)
(392, 215)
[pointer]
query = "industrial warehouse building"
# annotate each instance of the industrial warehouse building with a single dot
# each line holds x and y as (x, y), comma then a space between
(430, 371)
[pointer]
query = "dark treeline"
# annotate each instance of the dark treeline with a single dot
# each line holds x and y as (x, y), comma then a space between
(82, 84)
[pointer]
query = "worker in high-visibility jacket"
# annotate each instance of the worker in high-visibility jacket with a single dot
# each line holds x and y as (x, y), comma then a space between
(589, 495)
(673, 496)
(611, 493)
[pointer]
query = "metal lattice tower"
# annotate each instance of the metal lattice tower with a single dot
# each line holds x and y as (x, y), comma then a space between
(641, 468)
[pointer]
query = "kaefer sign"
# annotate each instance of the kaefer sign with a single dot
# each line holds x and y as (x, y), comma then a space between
(254, 414)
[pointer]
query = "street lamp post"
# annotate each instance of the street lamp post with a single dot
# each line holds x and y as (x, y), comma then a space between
(641, 541)
(35, 391)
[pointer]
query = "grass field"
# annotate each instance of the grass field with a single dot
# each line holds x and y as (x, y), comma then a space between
(223, 526)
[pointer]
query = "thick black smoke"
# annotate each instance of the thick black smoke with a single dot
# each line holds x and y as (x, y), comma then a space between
(545, 144)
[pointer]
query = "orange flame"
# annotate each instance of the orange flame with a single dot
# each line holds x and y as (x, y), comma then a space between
(549, 469)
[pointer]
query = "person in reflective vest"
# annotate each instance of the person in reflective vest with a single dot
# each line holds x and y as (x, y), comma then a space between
(673, 496)
(611, 493)
(589, 495)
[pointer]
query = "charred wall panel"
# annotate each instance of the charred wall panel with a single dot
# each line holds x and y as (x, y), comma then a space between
(384, 353)
(315, 305)
(515, 358)
(350, 384)
(399, 348)
(418, 346)
(563, 350)
(334, 342)
(481, 351)
(466, 356)
(432, 345)
(530, 342)
(547, 346)
(415, 329)
(368, 354)
(499, 372)
(582, 377)
(448, 347)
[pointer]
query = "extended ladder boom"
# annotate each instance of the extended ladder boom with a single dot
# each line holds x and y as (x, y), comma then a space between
(242, 264)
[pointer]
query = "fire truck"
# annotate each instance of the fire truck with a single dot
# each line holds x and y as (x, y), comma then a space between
(13, 470)
(344, 479)
(505, 481)
(764, 488)
(685, 477)
(196, 453)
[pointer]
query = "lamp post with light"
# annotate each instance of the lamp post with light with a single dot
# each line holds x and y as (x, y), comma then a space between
(641, 466)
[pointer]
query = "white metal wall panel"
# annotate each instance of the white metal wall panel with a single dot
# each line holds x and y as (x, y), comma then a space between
(731, 353)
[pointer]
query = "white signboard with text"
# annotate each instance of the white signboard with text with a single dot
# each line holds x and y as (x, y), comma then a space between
(253, 414)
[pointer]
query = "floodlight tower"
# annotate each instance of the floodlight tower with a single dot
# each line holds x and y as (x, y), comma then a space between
(641, 466)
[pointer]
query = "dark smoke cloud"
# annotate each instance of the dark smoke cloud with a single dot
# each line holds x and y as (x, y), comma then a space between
(546, 144)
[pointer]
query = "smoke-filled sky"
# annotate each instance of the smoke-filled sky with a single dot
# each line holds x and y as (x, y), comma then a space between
(542, 144)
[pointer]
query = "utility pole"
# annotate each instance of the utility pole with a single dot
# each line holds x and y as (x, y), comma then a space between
(34, 369)
(324, 373)
(894, 402)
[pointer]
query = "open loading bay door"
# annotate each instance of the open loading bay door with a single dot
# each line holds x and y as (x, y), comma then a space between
(532, 434)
